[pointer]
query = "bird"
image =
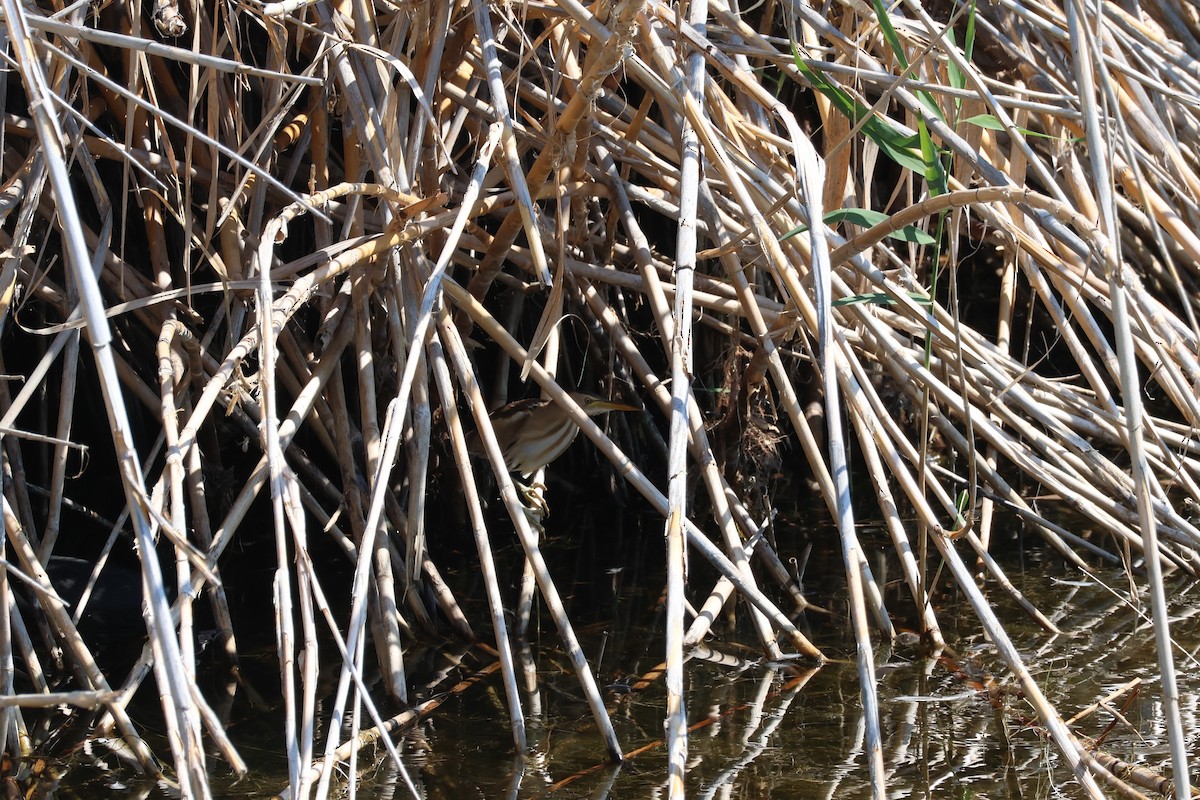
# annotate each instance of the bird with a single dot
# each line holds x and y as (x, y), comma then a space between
(532, 433)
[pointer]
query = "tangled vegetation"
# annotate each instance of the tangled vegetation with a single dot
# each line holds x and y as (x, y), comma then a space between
(951, 244)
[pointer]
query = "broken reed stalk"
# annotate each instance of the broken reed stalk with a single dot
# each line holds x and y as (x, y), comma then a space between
(291, 214)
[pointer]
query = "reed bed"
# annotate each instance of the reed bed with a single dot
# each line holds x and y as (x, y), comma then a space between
(950, 247)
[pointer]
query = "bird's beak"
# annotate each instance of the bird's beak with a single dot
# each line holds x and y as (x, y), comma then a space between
(608, 405)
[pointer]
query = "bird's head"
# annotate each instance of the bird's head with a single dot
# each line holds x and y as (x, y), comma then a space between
(594, 406)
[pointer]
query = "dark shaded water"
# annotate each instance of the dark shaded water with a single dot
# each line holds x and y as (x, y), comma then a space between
(771, 733)
(761, 731)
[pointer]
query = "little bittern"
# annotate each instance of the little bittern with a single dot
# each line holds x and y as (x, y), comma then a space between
(532, 433)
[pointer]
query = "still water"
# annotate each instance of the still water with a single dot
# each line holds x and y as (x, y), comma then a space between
(759, 730)
(769, 732)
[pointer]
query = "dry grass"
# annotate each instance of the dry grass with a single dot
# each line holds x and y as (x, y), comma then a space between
(339, 193)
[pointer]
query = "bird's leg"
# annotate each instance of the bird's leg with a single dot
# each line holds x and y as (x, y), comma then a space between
(534, 498)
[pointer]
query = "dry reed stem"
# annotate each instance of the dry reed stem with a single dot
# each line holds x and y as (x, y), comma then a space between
(320, 150)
